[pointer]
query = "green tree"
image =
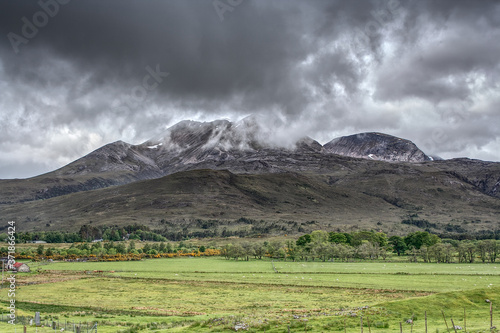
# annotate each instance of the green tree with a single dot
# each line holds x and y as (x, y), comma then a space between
(492, 249)
(40, 250)
(236, 251)
(462, 252)
(120, 248)
(152, 252)
(115, 236)
(482, 249)
(49, 252)
(343, 252)
(398, 245)
(85, 246)
(226, 251)
(337, 238)
(470, 251)
(74, 251)
(424, 253)
(146, 248)
(163, 248)
(364, 250)
(419, 238)
(96, 246)
(259, 250)
(319, 236)
(373, 237)
(273, 248)
(292, 250)
(131, 247)
(348, 236)
(323, 250)
(248, 250)
(303, 240)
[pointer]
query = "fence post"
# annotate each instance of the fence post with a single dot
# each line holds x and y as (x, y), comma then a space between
(454, 327)
(465, 321)
(447, 328)
(425, 313)
(491, 315)
(400, 327)
(361, 318)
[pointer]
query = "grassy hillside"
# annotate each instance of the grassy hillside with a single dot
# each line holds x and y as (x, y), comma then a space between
(379, 196)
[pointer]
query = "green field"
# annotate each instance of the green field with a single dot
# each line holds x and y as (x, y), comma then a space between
(215, 294)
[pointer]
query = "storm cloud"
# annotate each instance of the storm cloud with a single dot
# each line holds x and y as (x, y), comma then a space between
(75, 75)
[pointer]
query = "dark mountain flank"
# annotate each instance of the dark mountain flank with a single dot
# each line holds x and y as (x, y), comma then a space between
(223, 171)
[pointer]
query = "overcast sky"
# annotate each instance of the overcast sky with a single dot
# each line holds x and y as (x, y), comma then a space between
(75, 75)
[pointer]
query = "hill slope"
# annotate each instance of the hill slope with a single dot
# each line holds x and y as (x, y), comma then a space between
(381, 195)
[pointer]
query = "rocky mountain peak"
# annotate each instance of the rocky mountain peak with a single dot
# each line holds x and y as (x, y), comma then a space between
(377, 146)
(248, 134)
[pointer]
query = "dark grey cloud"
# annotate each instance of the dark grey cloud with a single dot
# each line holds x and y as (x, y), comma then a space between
(327, 67)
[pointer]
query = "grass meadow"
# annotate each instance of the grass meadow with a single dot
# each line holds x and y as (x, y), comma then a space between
(216, 295)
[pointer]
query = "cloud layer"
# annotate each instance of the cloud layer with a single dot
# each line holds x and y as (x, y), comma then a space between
(75, 75)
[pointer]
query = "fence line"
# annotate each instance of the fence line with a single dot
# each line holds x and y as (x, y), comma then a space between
(27, 322)
(68, 326)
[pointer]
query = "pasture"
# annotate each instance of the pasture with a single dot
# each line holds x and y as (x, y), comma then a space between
(215, 295)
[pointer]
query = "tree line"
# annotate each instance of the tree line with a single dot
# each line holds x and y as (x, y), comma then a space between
(110, 250)
(318, 245)
(88, 233)
(367, 245)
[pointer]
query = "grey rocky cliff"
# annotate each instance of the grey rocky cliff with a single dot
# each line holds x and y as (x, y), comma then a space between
(377, 146)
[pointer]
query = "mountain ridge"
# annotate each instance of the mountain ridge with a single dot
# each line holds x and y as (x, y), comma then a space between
(223, 171)
(241, 147)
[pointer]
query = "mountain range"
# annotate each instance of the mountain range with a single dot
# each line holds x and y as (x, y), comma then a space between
(224, 171)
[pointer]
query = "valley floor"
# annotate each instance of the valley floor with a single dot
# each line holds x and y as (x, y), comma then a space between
(219, 295)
